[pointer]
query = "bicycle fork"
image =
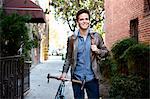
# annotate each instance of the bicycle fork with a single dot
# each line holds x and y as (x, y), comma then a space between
(60, 92)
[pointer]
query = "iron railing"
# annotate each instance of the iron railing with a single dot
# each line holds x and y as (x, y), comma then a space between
(14, 77)
(27, 75)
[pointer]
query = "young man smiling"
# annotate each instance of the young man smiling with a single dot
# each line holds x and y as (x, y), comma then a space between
(84, 49)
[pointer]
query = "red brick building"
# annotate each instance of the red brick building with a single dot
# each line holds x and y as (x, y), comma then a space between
(127, 18)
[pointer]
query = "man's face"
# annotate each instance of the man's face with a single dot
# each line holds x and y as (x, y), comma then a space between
(83, 21)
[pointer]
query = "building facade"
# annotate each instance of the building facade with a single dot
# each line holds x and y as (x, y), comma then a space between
(36, 25)
(44, 30)
(127, 18)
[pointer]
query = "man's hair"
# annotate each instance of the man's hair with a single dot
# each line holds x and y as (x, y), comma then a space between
(82, 11)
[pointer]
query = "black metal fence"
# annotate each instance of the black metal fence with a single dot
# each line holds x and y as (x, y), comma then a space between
(27, 76)
(14, 77)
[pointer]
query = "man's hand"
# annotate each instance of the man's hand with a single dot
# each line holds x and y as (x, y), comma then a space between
(94, 48)
(63, 76)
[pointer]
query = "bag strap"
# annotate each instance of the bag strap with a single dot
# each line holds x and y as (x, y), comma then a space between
(72, 40)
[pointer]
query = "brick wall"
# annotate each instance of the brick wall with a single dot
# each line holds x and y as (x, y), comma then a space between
(1, 3)
(118, 14)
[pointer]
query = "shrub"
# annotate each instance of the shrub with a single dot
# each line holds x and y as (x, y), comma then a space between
(134, 57)
(107, 67)
(118, 50)
(128, 87)
(137, 57)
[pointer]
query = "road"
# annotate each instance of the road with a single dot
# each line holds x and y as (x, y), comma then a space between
(39, 88)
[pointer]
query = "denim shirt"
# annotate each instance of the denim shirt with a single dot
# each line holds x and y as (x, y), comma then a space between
(83, 70)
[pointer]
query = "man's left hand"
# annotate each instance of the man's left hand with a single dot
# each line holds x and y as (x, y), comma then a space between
(94, 48)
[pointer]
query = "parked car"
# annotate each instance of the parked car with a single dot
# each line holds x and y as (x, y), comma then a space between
(52, 52)
(60, 52)
(57, 52)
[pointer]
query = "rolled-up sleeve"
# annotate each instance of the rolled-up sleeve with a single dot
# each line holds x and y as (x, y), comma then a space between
(102, 50)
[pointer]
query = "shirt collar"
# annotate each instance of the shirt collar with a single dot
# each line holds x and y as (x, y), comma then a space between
(76, 33)
(79, 35)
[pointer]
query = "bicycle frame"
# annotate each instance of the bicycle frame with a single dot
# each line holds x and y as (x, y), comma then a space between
(61, 89)
(60, 92)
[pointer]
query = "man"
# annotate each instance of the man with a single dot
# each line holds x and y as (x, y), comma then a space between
(84, 50)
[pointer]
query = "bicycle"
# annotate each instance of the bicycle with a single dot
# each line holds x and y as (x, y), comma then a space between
(61, 89)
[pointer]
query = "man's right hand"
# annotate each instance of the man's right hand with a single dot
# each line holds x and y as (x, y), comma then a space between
(63, 76)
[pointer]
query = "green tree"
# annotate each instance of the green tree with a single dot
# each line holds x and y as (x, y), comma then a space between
(66, 10)
(14, 34)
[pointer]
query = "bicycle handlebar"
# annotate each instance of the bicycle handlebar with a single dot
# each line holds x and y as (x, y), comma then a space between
(55, 77)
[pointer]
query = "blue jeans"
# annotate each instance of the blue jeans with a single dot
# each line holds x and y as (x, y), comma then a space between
(92, 90)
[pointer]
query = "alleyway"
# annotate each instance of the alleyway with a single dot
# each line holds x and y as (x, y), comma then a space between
(39, 88)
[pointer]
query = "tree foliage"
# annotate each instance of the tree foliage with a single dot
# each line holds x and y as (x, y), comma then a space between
(66, 10)
(14, 34)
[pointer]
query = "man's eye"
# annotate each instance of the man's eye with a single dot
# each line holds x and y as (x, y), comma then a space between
(81, 19)
(86, 18)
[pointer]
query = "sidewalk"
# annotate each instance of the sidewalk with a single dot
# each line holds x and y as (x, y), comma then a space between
(39, 88)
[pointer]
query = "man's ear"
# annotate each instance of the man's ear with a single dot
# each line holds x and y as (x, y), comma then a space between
(77, 23)
(90, 23)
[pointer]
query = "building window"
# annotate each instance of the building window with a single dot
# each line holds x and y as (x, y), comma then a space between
(147, 7)
(134, 29)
